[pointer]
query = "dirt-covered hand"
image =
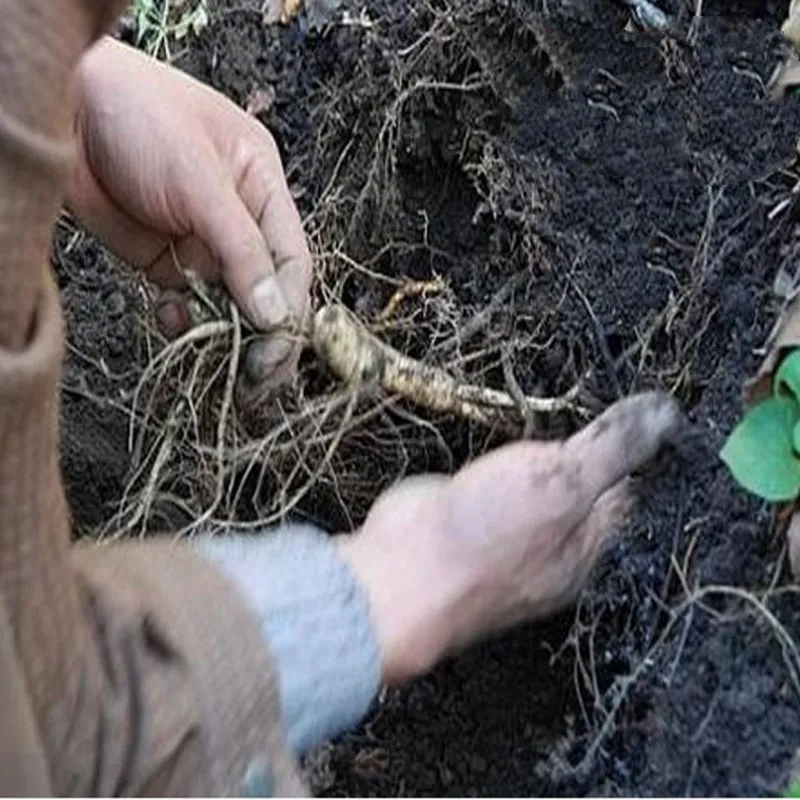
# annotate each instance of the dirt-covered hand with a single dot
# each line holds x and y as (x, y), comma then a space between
(172, 175)
(511, 537)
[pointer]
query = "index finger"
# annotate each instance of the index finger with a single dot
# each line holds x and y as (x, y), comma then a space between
(621, 441)
(266, 192)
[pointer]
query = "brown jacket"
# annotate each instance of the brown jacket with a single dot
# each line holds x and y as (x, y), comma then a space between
(136, 666)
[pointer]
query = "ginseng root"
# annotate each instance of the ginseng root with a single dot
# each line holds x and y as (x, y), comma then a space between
(359, 358)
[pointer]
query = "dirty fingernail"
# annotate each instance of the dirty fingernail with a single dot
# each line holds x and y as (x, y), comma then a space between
(172, 315)
(267, 303)
(264, 356)
(664, 414)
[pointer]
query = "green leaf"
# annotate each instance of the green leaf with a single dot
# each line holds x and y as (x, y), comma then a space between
(787, 377)
(793, 790)
(760, 451)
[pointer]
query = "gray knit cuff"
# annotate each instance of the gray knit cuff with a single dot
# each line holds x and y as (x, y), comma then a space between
(316, 622)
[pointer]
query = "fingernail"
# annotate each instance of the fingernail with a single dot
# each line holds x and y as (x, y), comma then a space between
(172, 316)
(264, 356)
(268, 305)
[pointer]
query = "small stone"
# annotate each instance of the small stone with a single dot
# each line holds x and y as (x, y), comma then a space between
(116, 346)
(116, 304)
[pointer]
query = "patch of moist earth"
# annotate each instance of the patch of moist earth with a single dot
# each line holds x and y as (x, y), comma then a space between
(100, 302)
(633, 180)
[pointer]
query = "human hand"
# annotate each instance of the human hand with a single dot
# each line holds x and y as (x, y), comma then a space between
(511, 537)
(173, 175)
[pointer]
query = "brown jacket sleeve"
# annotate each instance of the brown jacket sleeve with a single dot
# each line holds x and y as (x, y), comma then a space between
(145, 672)
(22, 762)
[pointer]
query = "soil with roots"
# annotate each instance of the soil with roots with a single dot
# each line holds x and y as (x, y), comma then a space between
(602, 205)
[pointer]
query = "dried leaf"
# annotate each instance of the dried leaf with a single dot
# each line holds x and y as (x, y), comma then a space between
(784, 338)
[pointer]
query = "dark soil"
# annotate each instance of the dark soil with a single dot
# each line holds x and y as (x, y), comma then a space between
(100, 371)
(630, 180)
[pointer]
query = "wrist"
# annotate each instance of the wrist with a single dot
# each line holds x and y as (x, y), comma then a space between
(316, 623)
(413, 605)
